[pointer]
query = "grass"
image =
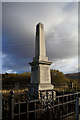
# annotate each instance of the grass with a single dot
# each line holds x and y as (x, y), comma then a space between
(73, 117)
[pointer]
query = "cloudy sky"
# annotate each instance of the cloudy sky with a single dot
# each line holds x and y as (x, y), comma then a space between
(0, 37)
(18, 34)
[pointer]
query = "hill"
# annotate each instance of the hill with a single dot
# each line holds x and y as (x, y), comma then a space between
(74, 77)
(11, 79)
(58, 79)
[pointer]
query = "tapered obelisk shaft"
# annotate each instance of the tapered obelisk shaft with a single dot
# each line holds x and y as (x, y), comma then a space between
(40, 50)
(40, 40)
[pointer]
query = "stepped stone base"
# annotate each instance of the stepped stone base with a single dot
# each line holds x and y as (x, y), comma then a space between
(46, 86)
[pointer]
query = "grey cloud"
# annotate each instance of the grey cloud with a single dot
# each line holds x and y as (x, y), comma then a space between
(19, 20)
(17, 65)
(62, 43)
(0, 38)
(40, 1)
(79, 35)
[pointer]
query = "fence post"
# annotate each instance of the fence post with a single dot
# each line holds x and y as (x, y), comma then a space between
(27, 109)
(53, 104)
(67, 103)
(77, 109)
(11, 105)
(62, 105)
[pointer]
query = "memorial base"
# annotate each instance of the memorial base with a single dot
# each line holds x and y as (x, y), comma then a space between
(35, 89)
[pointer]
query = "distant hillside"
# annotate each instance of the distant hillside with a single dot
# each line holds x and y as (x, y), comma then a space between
(11, 78)
(73, 75)
(57, 77)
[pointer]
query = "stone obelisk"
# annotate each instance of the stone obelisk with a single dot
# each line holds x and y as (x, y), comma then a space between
(40, 67)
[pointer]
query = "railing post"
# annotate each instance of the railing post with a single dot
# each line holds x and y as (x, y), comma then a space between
(27, 109)
(11, 105)
(41, 95)
(77, 109)
(67, 103)
(46, 95)
(62, 106)
(35, 108)
(53, 103)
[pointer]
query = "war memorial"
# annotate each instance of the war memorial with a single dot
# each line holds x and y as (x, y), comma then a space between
(40, 67)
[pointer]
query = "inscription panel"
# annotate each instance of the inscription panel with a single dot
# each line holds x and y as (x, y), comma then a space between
(45, 74)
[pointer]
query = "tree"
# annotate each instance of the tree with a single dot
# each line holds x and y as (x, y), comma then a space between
(58, 77)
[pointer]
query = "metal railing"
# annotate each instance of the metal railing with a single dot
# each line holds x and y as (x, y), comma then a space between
(63, 106)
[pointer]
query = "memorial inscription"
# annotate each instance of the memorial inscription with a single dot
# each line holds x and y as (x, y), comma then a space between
(44, 76)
